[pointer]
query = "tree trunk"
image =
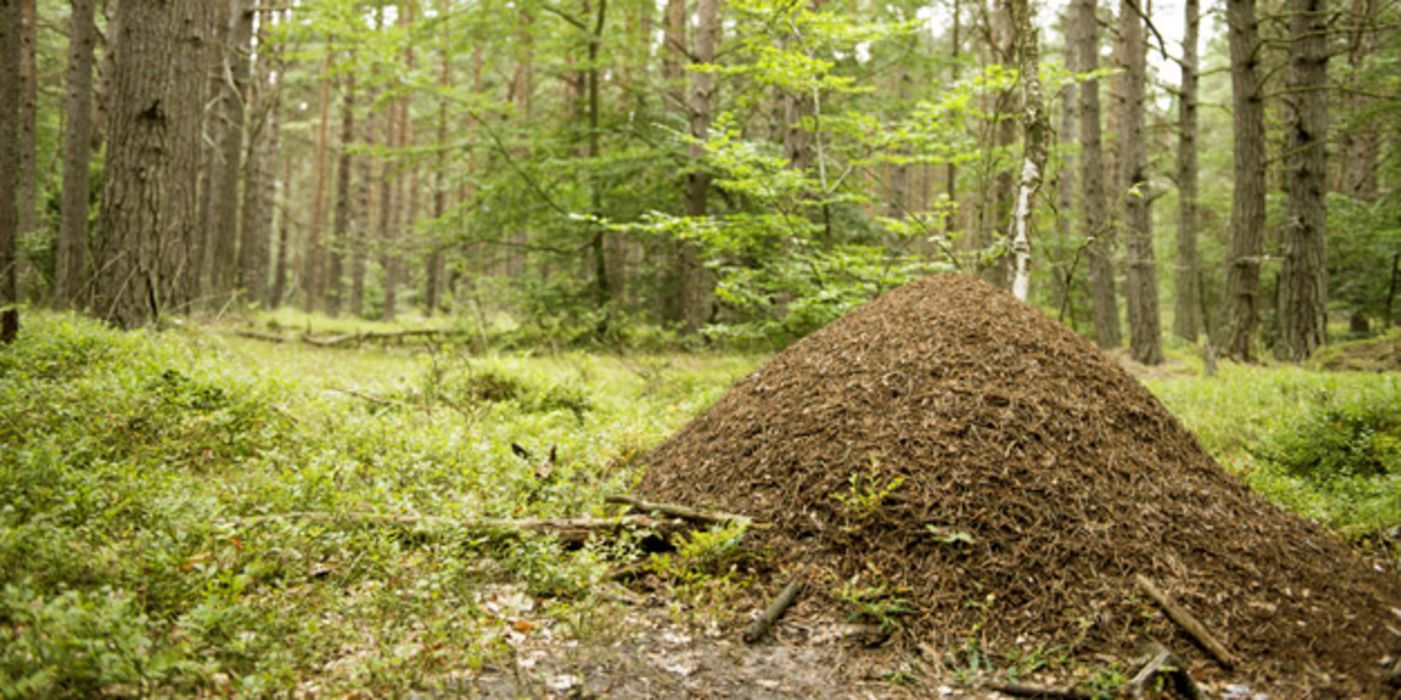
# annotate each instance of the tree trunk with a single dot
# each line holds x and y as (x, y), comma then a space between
(1100, 245)
(1187, 302)
(432, 298)
(284, 238)
(9, 168)
(28, 106)
(215, 129)
(71, 267)
(1141, 279)
(1248, 199)
(695, 279)
(342, 228)
(260, 171)
(1065, 196)
(225, 206)
(359, 246)
(1036, 134)
(999, 230)
(603, 287)
(1303, 290)
(313, 253)
(149, 215)
(1360, 143)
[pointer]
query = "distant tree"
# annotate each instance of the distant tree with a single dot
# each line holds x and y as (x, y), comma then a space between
(1036, 136)
(1100, 248)
(1141, 278)
(1186, 318)
(71, 266)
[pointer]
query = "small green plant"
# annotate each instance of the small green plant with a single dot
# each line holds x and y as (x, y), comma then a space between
(880, 605)
(866, 491)
(1358, 435)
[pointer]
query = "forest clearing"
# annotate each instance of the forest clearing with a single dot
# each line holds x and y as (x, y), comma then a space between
(700, 348)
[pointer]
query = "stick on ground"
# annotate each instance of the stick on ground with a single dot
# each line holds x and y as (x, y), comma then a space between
(1035, 691)
(683, 512)
(1189, 624)
(760, 627)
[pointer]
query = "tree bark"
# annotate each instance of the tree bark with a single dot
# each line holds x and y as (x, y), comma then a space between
(9, 168)
(1100, 245)
(342, 229)
(1141, 283)
(1187, 301)
(28, 106)
(313, 252)
(1303, 289)
(225, 206)
(284, 239)
(1248, 198)
(695, 279)
(149, 215)
(71, 267)
(1036, 135)
(260, 171)
(215, 129)
(360, 245)
(432, 298)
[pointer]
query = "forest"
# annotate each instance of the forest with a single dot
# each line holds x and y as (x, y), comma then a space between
(700, 348)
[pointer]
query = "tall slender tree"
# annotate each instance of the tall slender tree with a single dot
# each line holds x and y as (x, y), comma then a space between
(28, 107)
(71, 266)
(1248, 195)
(313, 253)
(1100, 245)
(1186, 320)
(342, 227)
(260, 163)
(226, 202)
(695, 283)
(1303, 289)
(1141, 276)
(1036, 139)
(9, 168)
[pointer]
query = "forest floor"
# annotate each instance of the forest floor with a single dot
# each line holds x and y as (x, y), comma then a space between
(200, 513)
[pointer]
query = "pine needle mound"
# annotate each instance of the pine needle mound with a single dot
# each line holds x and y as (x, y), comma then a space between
(957, 446)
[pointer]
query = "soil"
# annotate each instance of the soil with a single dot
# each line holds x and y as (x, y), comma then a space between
(953, 452)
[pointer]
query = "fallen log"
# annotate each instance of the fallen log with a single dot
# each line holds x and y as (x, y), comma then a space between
(684, 512)
(760, 627)
(259, 335)
(1189, 624)
(370, 336)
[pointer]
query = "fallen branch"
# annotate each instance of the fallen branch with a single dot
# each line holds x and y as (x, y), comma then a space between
(683, 512)
(760, 627)
(381, 336)
(1035, 691)
(1189, 624)
(572, 530)
(259, 335)
(1162, 662)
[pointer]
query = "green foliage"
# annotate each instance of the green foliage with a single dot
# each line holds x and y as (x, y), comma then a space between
(146, 482)
(1341, 437)
(880, 605)
(1364, 241)
(867, 491)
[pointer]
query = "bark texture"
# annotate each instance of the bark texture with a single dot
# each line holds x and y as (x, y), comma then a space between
(1186, 317)
(149, 214)
(71, 266)
(1248, 198)
(1036, 136)
(1100, 244)
(343, 226)
(226, 203)
(260, 170)
(695, 279)
(1303, 289)
(9, 168)
(1141, 276)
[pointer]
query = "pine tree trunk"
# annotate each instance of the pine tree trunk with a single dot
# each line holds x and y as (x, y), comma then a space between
(215, 129)
(1065, 197)
(1248, 199)
(433, 284)
(71, 267)
(1186, 321)
(1100, 247)
(149, 215)
(260, 172)
(9, 168)
(695, 279)
(360, 244)
(225, 205)
(28, 105)
(1303, 290)
(1141, 278)
(284, 238)
(313, 253)
(342, 228)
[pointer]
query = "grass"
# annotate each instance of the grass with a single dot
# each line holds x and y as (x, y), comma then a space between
(138, 469)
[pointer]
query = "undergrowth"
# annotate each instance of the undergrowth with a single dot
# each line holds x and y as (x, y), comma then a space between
(153, 490)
